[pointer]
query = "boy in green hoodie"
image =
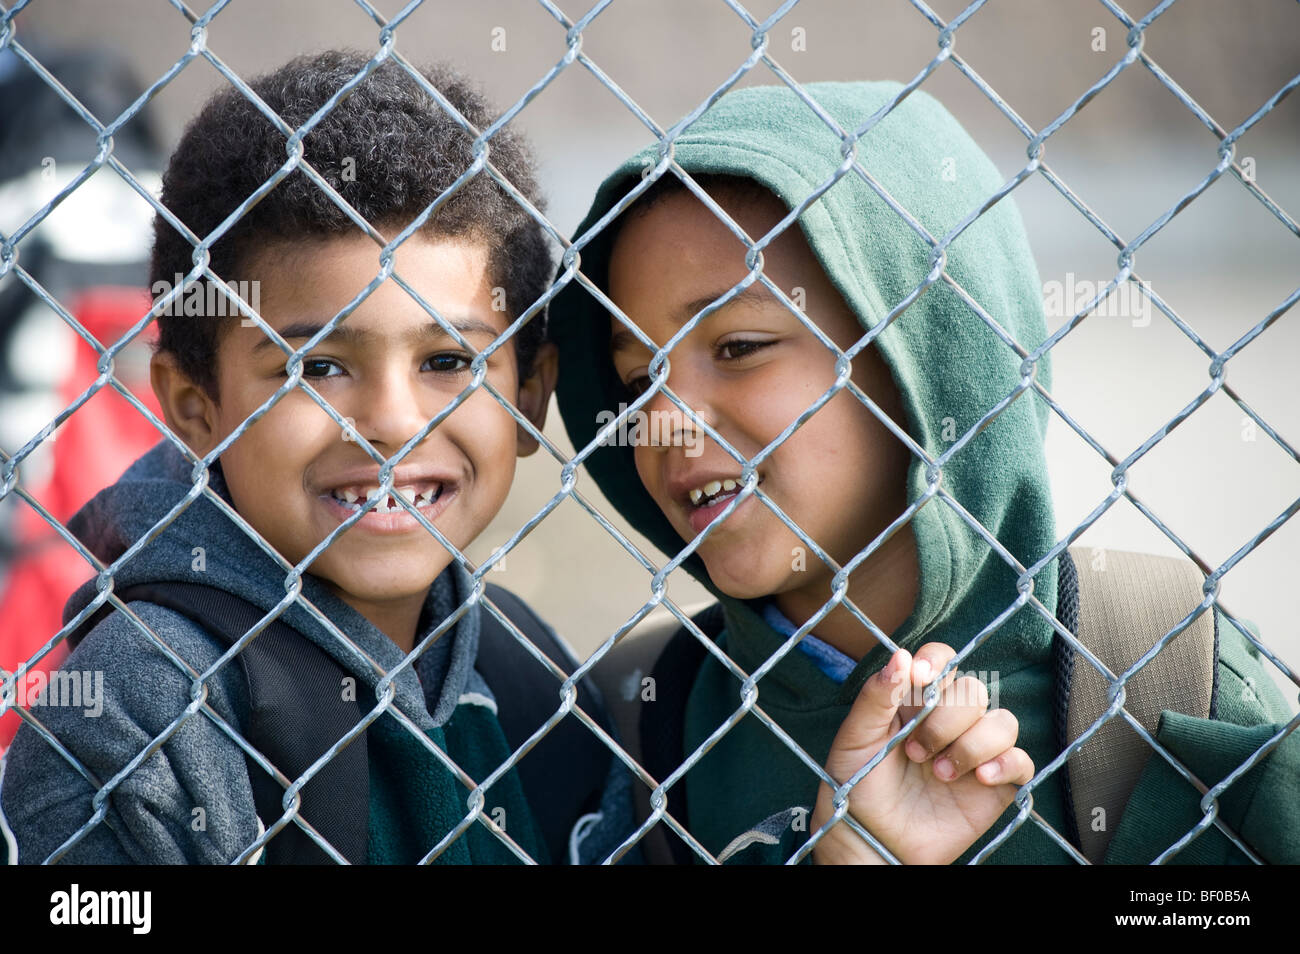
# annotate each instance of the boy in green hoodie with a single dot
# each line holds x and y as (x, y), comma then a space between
(878, 257)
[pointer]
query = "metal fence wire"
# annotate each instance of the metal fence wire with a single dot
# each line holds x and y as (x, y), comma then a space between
(749, 691)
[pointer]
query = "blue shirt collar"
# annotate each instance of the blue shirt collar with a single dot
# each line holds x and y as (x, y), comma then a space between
(827, 658)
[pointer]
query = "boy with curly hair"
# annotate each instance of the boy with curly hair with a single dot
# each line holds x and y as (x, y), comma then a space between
(178, 787)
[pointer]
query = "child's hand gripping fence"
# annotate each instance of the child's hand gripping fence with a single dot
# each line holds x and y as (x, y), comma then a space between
(748, 684)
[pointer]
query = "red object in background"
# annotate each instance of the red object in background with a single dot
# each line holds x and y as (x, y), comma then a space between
(93, 447)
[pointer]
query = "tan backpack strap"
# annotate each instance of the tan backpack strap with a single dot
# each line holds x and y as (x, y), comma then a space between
(1127, 602)
(619, 677)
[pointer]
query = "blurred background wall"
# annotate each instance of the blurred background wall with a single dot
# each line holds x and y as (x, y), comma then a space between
(1223, 263)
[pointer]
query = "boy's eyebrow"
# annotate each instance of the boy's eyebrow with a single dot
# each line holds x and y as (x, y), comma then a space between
(623, 339)
(358, 336)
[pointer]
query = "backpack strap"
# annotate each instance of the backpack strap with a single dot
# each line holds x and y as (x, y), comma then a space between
(666, 652)
(1126, 603)
(1067, 611)
(287, 676)
(564, 775)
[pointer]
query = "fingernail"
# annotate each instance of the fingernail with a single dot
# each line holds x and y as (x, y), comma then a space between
(922, 669)
(892, 669)
(944, 768)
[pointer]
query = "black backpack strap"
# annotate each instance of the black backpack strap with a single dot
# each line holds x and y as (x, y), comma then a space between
(564, 775)
(1067, 611)
(288, 677)
(663, 725)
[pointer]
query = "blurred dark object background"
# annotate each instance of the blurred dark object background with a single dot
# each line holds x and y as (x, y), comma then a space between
(91, 256)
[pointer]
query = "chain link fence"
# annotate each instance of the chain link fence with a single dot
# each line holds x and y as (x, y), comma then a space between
(657, 573)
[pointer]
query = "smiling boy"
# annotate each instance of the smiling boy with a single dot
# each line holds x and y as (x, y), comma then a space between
(388, 369)
(753, 355)
(748, 371)
(295, 478)
(839, 476)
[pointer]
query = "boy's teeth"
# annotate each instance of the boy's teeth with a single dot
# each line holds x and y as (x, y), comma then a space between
(388, 502)
(713, 488)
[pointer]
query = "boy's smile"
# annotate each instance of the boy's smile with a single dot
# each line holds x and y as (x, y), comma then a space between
(749, 369)
(389, 368)
(709, 496)
(428, 492)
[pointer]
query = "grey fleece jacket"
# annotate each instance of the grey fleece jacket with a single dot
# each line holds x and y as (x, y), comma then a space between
(190, 800)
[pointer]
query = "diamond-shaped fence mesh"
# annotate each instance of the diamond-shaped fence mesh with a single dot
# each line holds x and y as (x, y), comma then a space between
(475, 786)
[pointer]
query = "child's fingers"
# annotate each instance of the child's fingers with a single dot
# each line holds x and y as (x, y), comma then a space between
(869, 721)
(988, 738)
(961, 706)
(1012, 767)
(929, 661)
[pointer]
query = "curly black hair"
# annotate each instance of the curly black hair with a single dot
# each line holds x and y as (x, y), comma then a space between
(388, 148)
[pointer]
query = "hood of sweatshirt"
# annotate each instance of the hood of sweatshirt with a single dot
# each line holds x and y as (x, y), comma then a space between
(203, 544)
(949, 365)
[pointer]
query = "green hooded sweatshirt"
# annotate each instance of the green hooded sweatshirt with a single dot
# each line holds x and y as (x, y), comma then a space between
(951, 369)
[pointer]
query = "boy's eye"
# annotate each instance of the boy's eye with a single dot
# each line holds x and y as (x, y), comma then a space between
(312, 368)
(452, 361)
(740, 348)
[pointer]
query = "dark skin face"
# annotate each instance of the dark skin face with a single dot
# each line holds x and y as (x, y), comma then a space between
(391, 372)
(749, 369)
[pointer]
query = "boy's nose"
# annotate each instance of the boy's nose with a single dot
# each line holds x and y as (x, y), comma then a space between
(388, 412)
(670, 426)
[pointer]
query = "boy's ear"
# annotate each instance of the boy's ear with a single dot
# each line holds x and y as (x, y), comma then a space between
(535, 394)
(188, 409)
